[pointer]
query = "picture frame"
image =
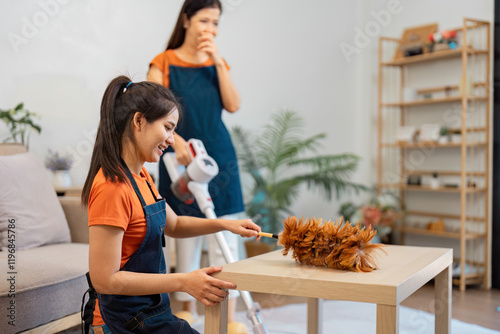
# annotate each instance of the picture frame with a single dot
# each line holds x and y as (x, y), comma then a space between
(406, 134)
(413, 39)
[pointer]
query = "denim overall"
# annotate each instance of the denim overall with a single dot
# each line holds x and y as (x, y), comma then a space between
(150, 313)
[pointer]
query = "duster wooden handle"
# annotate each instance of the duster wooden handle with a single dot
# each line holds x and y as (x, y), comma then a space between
(268, 235)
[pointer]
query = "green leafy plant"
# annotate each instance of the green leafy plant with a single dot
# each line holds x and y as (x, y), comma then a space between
(280, 160)
(444, 131)
(20, 123)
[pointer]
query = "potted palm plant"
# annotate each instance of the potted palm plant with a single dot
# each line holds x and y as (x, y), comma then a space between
(279, 161)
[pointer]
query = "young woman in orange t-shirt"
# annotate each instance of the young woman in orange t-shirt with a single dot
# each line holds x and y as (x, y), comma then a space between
(127, 217)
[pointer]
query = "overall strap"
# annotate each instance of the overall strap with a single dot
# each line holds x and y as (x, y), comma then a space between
(134, 185)
(152, 192)
(137, 191)
(163, 241)
(87, 310)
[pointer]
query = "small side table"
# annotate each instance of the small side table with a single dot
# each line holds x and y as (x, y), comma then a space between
(401, 272)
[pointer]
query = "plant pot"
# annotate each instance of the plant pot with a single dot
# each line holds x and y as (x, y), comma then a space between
(443, 139)
(255, 248)
(434, 183)
(61, 179)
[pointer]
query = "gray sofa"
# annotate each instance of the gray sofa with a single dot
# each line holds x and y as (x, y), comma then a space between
(42, 286)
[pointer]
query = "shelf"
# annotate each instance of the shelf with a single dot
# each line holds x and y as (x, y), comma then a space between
(470, 279)
(445, 173)
(432, 144)
(449, 99)
(442, 234)
(429, 189)
(445, 88)
(445, 54)
(442, 215)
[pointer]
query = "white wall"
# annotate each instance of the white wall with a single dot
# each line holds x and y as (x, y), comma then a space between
(283, 53)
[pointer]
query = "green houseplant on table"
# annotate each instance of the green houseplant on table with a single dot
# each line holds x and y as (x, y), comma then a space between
(279, 161)
(20, 122)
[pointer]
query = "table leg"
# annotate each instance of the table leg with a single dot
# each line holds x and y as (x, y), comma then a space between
(442, 302)
(216, 318)
(314, 316)
(387, 319)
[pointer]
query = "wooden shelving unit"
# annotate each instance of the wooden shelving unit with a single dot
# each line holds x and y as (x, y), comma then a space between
(465, 96)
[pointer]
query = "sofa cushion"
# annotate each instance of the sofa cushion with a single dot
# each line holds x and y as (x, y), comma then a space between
(44, 266)
(29, 204)
(47, 284)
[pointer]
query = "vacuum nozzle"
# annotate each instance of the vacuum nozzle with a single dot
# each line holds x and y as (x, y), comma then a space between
(202, 169)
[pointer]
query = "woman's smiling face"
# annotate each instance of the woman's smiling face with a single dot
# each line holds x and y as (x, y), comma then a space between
(155, 137)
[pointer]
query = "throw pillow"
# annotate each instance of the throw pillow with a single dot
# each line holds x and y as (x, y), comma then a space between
(30, 213)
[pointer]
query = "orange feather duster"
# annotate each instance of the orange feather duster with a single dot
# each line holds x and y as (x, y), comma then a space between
(331, 244)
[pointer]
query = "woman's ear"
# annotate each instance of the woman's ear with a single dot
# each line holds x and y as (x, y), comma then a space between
(185, 21)
(138, 120)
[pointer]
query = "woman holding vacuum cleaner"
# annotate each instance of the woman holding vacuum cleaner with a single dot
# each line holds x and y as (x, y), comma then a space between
(127, 217)
(193, 69)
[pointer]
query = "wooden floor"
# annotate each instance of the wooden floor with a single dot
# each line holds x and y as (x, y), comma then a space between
(475, 305)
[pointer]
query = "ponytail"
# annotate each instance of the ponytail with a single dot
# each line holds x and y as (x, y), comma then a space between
(121, 100)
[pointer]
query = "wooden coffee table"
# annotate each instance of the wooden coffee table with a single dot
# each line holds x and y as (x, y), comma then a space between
(401, 272)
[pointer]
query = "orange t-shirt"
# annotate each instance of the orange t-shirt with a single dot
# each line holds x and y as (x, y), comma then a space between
(170, 57)
(117, 204)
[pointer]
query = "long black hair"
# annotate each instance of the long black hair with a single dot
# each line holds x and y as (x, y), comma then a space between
(189, 8)
(121, 100)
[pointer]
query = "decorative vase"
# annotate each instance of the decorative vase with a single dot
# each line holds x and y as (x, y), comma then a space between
(434, 183)
(61, 179)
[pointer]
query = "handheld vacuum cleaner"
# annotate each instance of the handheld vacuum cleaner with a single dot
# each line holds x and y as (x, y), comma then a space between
(191, 183)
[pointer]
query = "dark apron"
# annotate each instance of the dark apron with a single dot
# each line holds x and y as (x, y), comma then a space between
(198, 91)
(150, 313)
